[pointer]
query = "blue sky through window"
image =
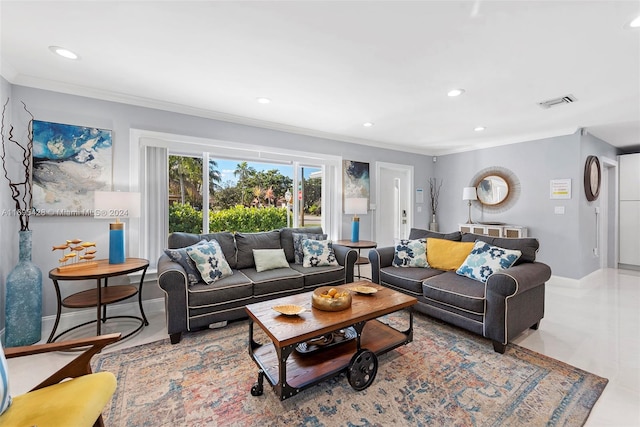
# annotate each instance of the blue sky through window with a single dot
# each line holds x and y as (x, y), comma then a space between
(226, 168)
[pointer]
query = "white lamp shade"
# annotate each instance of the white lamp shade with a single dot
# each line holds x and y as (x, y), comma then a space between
(116, 204)
(356, 206)
(469, 193)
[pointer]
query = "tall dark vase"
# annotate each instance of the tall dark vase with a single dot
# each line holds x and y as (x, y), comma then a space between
(23, 304)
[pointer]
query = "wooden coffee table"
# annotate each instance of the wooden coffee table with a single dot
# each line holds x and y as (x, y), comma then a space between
(289, 371)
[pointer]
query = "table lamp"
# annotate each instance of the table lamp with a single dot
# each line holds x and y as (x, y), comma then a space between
(356, 206)
(116, 204)
(469, 193)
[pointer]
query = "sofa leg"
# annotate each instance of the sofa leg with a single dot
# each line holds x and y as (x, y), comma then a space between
(535, 326)
(175, 338)
(498, 347)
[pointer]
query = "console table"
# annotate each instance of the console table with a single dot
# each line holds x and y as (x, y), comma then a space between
(101, 295)
(494, 230)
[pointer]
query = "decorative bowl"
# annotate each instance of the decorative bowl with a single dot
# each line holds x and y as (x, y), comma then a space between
(289, 309)
(328, 298)
(366, 290)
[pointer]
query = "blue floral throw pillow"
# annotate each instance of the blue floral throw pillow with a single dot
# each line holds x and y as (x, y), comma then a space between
(298, 255)
(484, 260)
(180, 256)
(318, 253)
(410, 253)
(210, 261)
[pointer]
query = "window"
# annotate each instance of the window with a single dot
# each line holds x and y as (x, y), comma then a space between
(309, 196)
(159, 170)
(241, 196)
(185, 194)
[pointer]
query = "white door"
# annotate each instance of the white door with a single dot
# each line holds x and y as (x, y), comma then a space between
(394, 202)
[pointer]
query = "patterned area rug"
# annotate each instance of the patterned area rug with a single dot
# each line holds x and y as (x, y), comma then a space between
(445, 377)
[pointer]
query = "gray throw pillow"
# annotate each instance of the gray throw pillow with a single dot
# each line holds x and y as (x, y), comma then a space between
(247, 242)
(298, 255)
(181, 257)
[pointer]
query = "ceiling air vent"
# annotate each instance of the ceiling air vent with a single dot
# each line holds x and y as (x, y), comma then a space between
(567, 99)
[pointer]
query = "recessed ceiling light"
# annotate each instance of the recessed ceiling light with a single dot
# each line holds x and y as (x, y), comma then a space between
(65, 53)
(479, 128)
(367, 124)
(455, 92)
(634, 24)
(263, 100)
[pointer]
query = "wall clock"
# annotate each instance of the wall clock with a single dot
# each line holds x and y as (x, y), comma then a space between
(592, 178)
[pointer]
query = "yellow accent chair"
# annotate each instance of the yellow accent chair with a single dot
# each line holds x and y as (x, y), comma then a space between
(77, 402)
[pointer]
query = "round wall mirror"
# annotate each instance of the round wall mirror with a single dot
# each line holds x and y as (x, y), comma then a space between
(492, 190)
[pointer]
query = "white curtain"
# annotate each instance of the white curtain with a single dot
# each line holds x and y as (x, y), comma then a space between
(155, 209)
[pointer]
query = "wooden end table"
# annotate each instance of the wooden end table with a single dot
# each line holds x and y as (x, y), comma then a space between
(361, 244)
(100, 296)
(290, 371)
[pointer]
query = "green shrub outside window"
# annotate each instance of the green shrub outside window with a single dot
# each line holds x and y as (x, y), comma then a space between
(184, 217)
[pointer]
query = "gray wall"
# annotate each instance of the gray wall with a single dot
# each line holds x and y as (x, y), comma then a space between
(56, 107)
(566, 241)
(8, 225)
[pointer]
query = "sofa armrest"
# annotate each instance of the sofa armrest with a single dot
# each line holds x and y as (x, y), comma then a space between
(379, 258)
(347, 258)
(518, 279)
(172, 279)
(514, 301)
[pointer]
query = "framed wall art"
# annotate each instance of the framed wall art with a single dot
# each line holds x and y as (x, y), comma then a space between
(355, 180)
(560, 188)
(69, 163)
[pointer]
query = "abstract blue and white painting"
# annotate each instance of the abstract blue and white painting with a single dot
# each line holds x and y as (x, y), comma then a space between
(355, 179)
(69, 164)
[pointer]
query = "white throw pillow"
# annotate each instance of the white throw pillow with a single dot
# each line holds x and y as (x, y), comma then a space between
(269, 259)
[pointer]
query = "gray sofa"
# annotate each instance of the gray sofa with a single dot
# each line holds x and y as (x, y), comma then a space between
(510, 302)
(193, 307)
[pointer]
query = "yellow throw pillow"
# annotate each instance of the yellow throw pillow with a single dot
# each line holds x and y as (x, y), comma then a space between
(446, 254)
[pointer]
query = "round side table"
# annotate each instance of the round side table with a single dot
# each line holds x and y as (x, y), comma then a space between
(359, 245)
(100, 296)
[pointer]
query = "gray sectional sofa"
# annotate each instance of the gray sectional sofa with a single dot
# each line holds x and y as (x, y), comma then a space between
(500, 309)
(192, 307)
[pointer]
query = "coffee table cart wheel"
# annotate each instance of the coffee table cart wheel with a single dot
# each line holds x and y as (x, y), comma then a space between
(257, 389)
(362, 369)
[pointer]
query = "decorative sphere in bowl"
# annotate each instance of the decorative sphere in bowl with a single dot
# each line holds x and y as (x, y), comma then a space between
(328, 298)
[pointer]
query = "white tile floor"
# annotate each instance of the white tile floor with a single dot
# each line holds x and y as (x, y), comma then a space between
(594, 326)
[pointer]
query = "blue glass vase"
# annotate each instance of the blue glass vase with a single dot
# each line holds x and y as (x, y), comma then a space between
(23, 305)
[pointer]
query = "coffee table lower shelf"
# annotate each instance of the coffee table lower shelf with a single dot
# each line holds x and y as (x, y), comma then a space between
(290, 372)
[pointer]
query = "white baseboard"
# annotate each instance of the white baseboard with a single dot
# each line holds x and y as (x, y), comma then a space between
(564, 282)
(76, 317)
(573, 283)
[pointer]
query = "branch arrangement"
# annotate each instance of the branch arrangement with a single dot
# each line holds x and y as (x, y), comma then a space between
(434, 192)
(22, 191)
